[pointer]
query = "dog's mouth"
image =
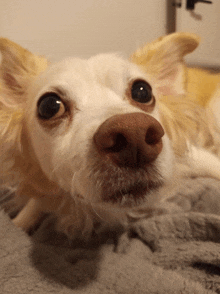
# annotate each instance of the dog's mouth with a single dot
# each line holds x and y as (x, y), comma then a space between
(125, 187)
(134, 194)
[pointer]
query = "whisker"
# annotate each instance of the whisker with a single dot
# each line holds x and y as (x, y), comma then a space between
(93, 208)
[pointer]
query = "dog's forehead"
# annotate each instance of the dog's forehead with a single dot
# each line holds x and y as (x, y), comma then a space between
(113, 66)
(106, 69)
(67, 69)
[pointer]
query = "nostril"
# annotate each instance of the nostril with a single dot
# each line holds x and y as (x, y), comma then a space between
(119, 143)
(110, 141)
(153, 136)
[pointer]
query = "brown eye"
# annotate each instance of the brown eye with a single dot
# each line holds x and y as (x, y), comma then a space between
(50, 106)
(141, 92)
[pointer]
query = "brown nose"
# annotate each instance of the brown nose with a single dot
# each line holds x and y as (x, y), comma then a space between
(130, 140)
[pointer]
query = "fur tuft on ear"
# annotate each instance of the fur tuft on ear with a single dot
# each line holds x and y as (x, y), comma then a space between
(18, 68)
(163, 61)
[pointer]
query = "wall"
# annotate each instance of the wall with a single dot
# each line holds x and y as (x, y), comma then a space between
(204, 20)
(65, 27)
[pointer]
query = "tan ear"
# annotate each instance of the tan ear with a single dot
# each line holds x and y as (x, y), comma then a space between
(18, 66)
(163, 61)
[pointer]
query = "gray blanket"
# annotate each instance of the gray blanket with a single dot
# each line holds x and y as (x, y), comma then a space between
(171, 253)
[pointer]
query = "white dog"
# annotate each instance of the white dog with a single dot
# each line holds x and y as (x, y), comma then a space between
(84, 136)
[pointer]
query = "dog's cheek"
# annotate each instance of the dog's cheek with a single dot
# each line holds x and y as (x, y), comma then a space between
(41, 145)
(68, 159)
(73, 169)
(60, 151)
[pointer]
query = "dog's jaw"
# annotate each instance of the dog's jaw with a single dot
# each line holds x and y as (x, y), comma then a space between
(127, 187)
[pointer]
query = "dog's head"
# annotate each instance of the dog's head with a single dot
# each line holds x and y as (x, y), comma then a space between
(89, 127)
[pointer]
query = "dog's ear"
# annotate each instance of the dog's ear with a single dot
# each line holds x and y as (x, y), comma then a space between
(163, 61)
(18, 67)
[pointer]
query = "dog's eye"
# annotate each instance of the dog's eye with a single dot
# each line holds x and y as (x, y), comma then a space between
(141, 92)
(50, 106)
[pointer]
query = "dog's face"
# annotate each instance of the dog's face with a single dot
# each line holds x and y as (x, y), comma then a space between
(92, 126)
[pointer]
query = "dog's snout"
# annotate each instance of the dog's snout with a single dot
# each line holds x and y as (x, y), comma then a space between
(130, 140)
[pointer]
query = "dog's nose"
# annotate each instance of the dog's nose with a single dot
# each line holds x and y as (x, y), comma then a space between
(130, 140)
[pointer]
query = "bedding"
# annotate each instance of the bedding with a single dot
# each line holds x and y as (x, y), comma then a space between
(169, 253)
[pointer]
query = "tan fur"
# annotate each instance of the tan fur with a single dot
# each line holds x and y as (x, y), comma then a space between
(201, 85)
(18, 68)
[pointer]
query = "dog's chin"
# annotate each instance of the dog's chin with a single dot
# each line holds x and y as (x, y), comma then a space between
(133, 195)
(124, 187)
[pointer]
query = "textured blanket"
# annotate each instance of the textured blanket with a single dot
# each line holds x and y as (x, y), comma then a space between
(171, 253)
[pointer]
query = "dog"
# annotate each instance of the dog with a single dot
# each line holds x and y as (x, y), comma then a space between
(94, 139)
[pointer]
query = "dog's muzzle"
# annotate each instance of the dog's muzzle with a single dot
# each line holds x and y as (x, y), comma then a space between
(130, 140)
